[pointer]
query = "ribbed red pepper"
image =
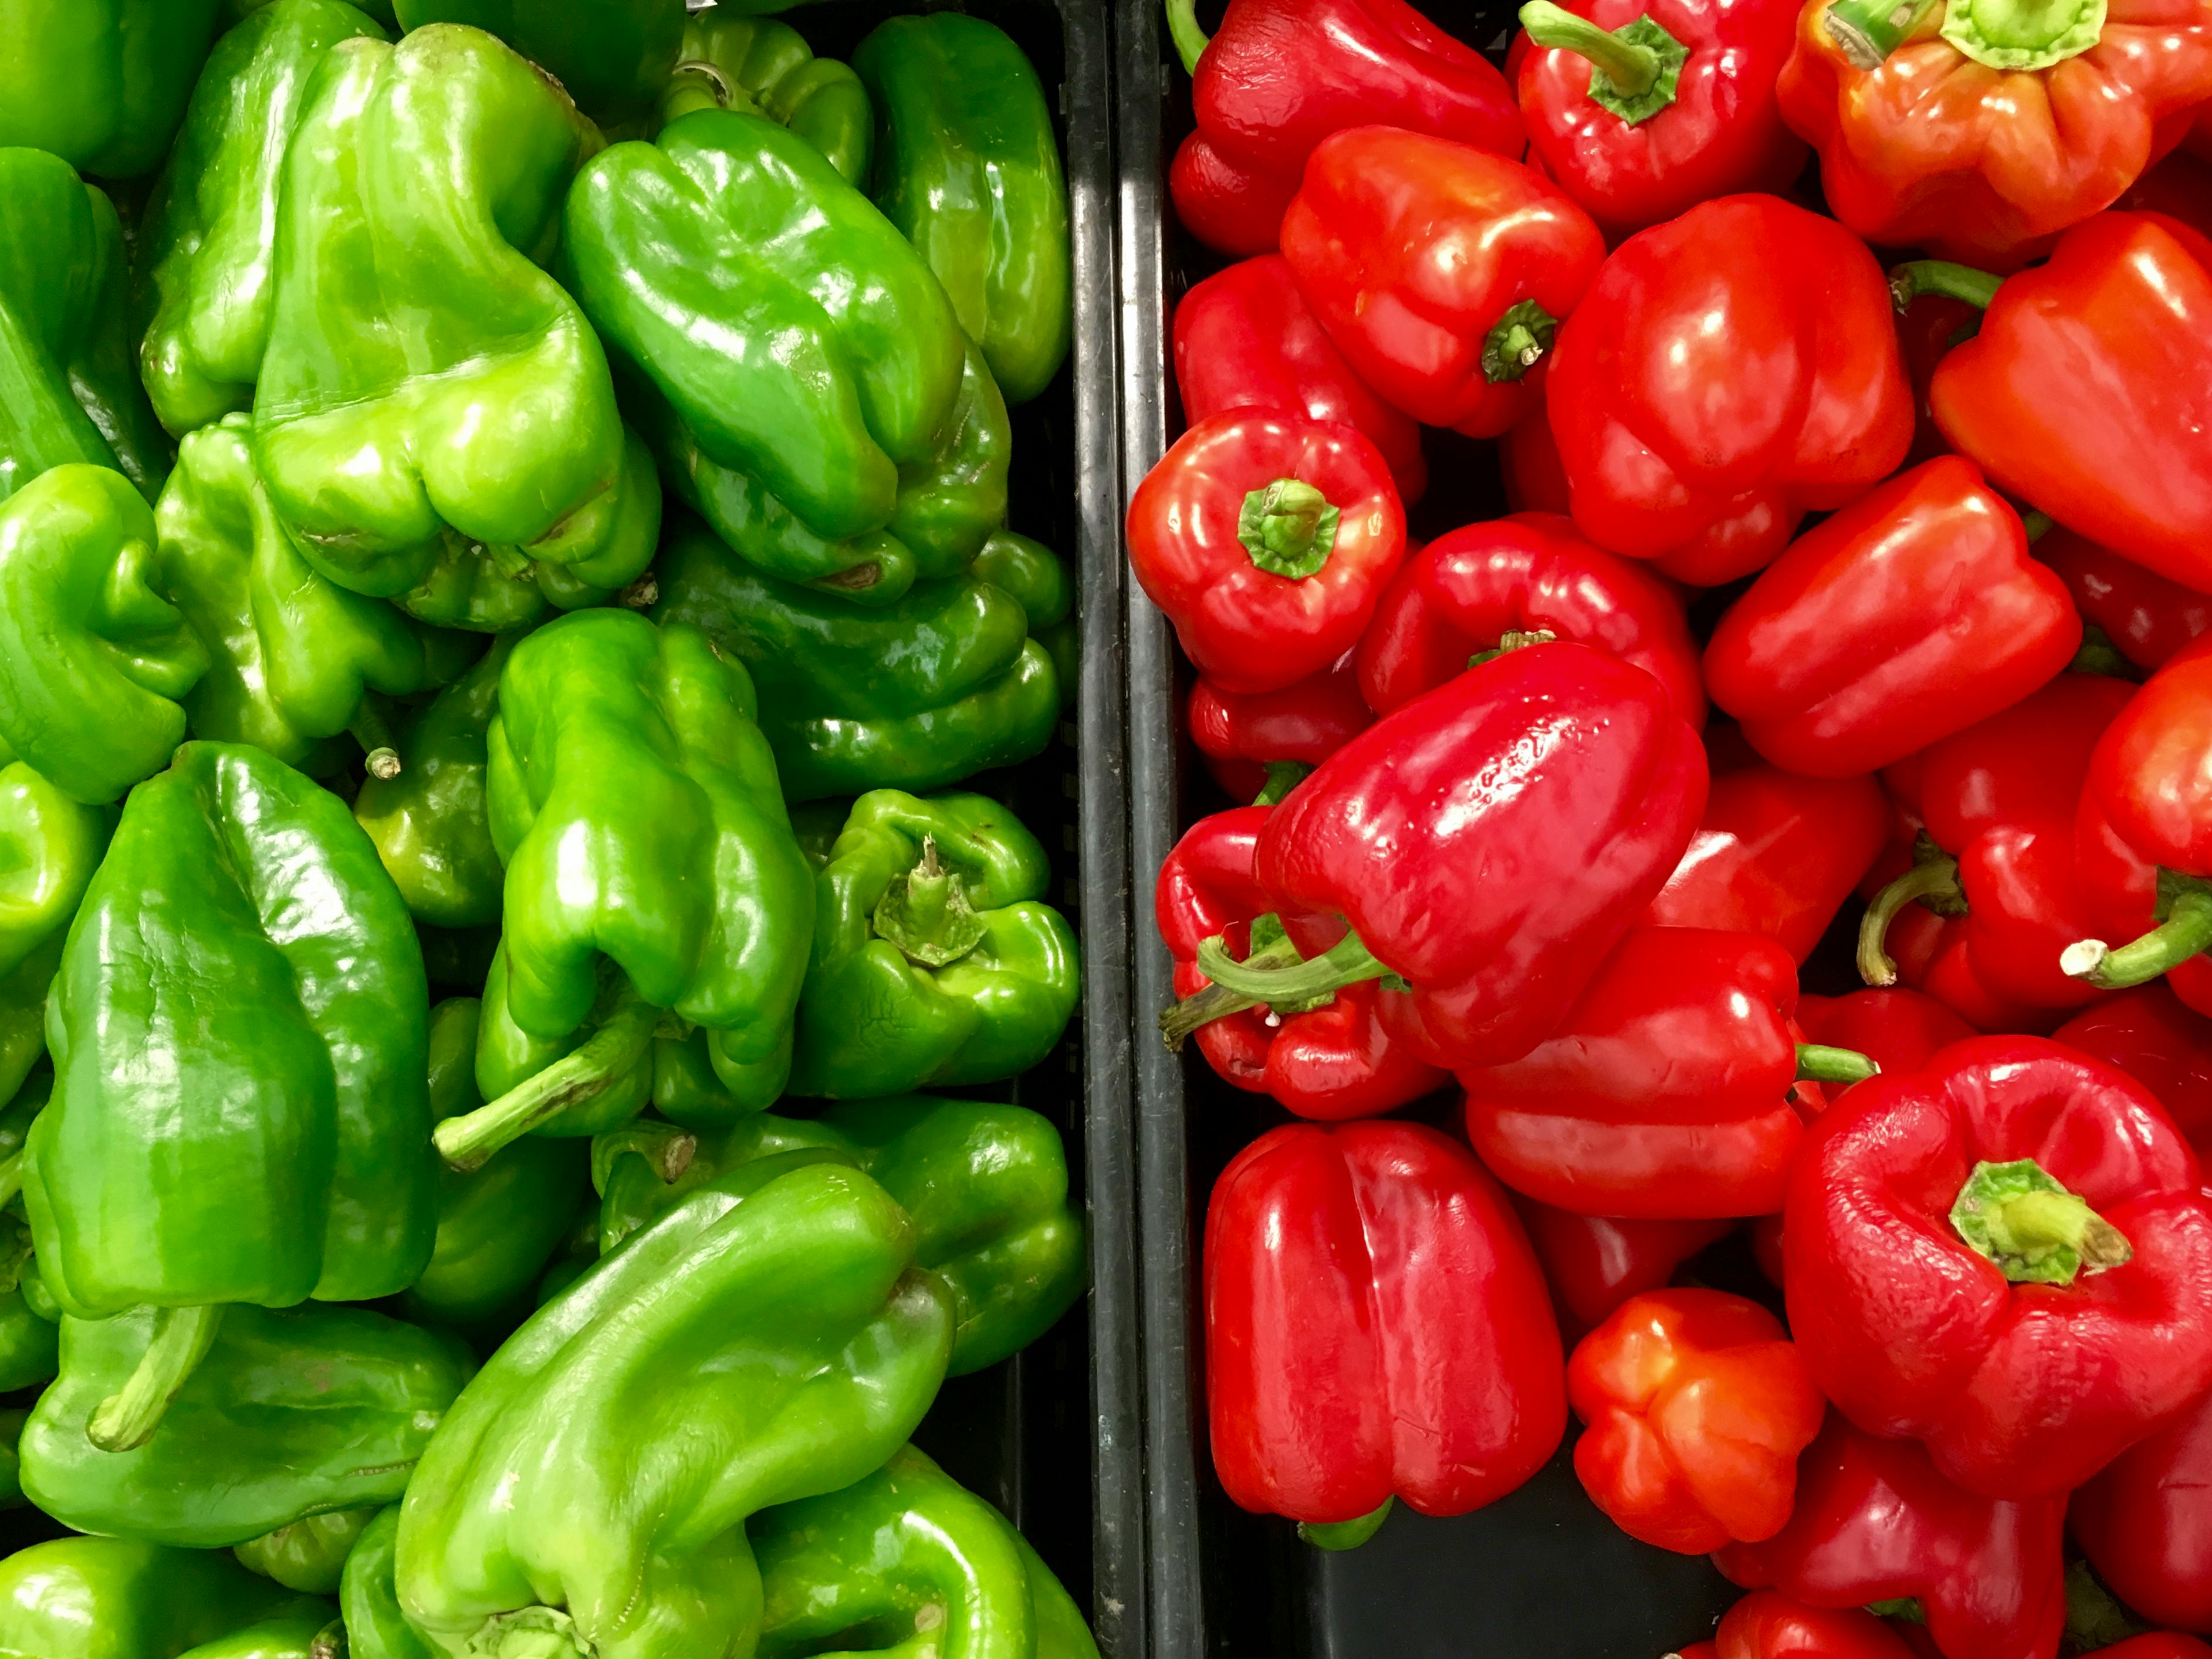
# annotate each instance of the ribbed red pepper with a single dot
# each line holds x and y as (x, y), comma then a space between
(2160, 1042)
(1595, 1263)
(2145, 1525)
(2145, 615)
(1899, 1031)
(1251, 739)
(1768, 1626)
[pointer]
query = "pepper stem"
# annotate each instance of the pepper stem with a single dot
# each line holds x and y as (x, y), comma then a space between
(1517, 341)
(1190, 40)
(2035, 1229)
(2184, 932)
(1819, 1063)
(1288, 528)
(1635, 69)
(924, 914)
(2023, 35)
(372, 732)
(1283, 776)
(1217, 1001)
(1346, 1535)
(1345, 962)
(329, 1642)
(181, 1338)
(1909, 281)
(468, 1141)
(668, 1149)
(2098, 655)
(1933, 880)
(11, 1178)
(1513, 639)
(530, 1633)
(1867, 31)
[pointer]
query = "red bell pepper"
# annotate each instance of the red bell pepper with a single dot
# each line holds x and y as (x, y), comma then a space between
(1330, 1061)
(1267, 540)
(1442, 271)
(1376, 1326)
(1670, 1090)
(1980, 131)
(1899, 1031)
(1534, 480)
(1698, 1405)
(2158, 1644)
(1768, 1626)
(2089, 387)
(1595, 1263)
(2180, 186)
(1728, 373)
(1928, 327)
(1282, 74)
(2145, 1525)
(2147, 618)
(2003, 1254)
(1243, 339)
(1777, 855)
(1642, 109)
(2160, 1042)
(1526, 813)
(1997, 861)
(1909, 615)
(1255, 741)
(1532, 572)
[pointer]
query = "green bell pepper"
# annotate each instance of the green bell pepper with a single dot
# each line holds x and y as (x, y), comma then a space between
(50, 845)
(733, 61)
(375, 1627)
(30, 1340)
(30, 1346)
(908, 1561)
(307, 1555)
(985, 1186)
(116, 1598)
(209, 234)
(102, 84)
(767, 1341)
(934, 962)
(1033, 573)
(291, 1412)
(239, 945)
(942, 684)
(966, 165)
(297, 658)
(69, 384)
(423, 374)
(93, 659)
(816, 400)
(11, 1476)
(650, 867)
(229, 13)
(614, 56)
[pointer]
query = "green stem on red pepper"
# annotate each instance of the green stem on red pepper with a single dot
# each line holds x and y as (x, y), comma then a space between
(1346, 1535)
(2035, 1229)
(1190, 40)
(1283, 776)
(1217, 1001)
(181, 1338)
(1819, 1063)
(2184, 930)
(1517, 342)
(1288, 527)
(1909, 281)
(1634, 70)
(1932, 881)
(1867, 31)
(1348, 962)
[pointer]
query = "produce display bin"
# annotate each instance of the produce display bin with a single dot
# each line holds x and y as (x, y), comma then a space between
(1542, 1574)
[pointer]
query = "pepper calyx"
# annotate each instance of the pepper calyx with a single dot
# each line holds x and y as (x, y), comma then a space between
(1346, 1535)
(924, 914)
(2035, 1230)
(1517, 342)
(1635, 69)
(1288, 528)
(2183, 911)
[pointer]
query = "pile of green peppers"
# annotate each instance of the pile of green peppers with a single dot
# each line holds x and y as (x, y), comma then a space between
(509, 639)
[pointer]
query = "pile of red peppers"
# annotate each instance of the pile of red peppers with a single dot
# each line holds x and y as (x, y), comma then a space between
(1850, 365)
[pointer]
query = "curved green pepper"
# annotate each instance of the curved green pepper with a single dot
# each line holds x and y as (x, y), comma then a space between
(942, 684)
(1033, 573)
(966, 165)
(210, 226)
(766, 1340)
(985, 1186)
(102, 84)
(308, 1555)
(908, 1561)
(68, 382)
(375, 1627)
(423, 374)
(116, 1598)
(733, 61)
(50, 845)
(612, 56)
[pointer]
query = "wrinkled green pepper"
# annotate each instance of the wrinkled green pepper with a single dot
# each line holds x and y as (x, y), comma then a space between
(297, 658)
(985, 1186)
(833, 429)
(209, 234)
(102, 84)
(240, 1112)
(375, 1627)
(423, 375)
(967, 166)
(613, 56)
(93, 659)
(69, 384)
(116, 1598)
(908, 1561)
(50, 845)
(291, 1412)
(308, 1555)
(767, 1341)
(731, 61)
(942, 684)
(650, 871)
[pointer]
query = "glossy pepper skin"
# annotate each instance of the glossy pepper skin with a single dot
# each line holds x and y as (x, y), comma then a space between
(1245, 736)
(1979, 133)
(1696, 1404)
(1874, 1521)
(1595, 1263)
(115, 1598)
(909, 1549)
(310, 1554)
(102, 84)
(1642, 111)
(375, 1627)
(967, 168)
(209, 236)
(2146, 615)
(240, 943)
(858, 441)
(1899, 1030)
(2143, 1525)
(1910, 614)
(775, 1318)
(1376, 1326)
(731, 61)
(1669, 1092)
(614, 56)
(2084, 372)
(1728, 373)
(1268, 539)
(1245, 338)
(1334, 1061)
(52, 846)
(943, 683)
(935, 961)
(1768, 1626)
(1531, 572)
(2162, 1042)
(68, 388)
(1440, 270)
(985, 1185)
(2022, 1373)
(1279, 77)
